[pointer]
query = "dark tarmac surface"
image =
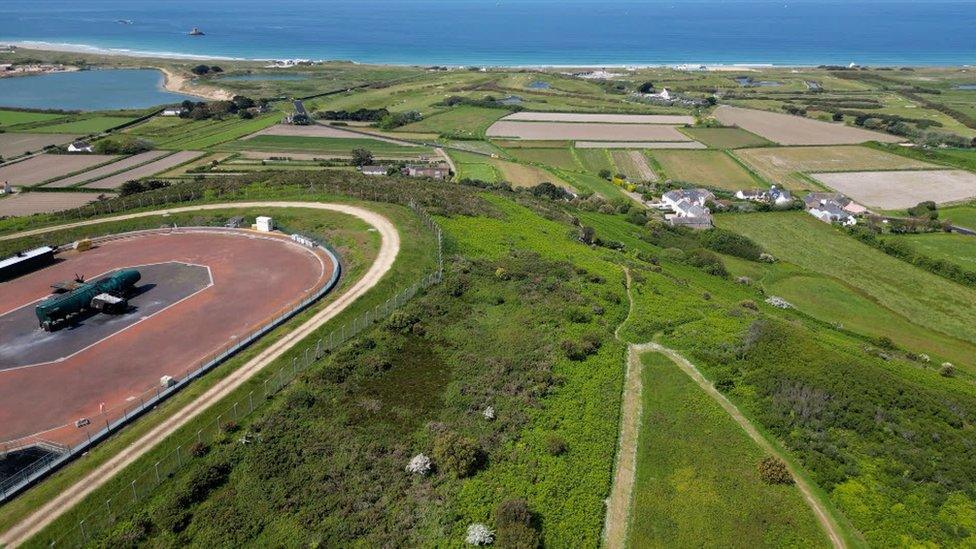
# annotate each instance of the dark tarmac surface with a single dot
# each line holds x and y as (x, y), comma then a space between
(162, 285)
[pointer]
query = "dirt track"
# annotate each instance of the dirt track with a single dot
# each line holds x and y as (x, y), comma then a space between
(389, 249)
(625, 468)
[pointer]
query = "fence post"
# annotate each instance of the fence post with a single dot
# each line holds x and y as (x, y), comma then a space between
(133, 486)
(179, 458)
(156, 466)
(250, 401)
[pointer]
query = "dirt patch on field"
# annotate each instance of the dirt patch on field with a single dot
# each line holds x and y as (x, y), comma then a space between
(782, 165)
(786, 129)
(47, 166)
(639, 145)
(895, 190)
(152, 168)
(16, 144)
(585, 131)
(32, 203)
(520, 175)
(634, 165)
(108, 169)
(597, 117)
(318, 130)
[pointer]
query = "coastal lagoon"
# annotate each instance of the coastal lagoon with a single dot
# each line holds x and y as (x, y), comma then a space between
(88, 90)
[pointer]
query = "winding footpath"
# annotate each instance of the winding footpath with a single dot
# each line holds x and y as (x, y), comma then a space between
(389, 249)
(621, 493)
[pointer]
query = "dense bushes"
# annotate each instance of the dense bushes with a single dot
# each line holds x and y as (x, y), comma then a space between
(122, 144)
(359, 115)
(730, 243)
(773, 470)
(456, 454)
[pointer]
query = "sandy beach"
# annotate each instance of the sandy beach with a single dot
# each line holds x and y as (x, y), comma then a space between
(178, 83)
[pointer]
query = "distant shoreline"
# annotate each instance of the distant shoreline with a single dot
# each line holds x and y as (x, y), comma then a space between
(176, 56)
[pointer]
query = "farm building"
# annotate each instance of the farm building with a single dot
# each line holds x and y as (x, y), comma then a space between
(440, 171)
(373, 170)
(173, 111)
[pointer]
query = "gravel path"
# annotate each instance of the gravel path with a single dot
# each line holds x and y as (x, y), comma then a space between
(389, 249)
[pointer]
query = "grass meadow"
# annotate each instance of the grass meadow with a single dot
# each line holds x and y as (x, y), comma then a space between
(713, 169)
(697, 481)
(889, 283)
(324, 145)
(462, 121)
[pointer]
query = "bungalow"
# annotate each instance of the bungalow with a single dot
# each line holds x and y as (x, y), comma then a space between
(695, 196)
(775, 196)
(373, 170)
(173, 111)
(80, 147)
(755, 195)
(440, 171)
(780, 197)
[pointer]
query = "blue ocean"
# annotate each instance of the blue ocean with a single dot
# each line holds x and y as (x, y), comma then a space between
(514, 32)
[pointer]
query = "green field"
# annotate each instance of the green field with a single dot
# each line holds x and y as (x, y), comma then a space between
(964, 216)
(474, 166)
(952, 247)
(323, 145)
(725, 138)
(556, 158)
(13, 118)
(892, 284)
(697, 481)
(85, 126)
(957, 158)
(181, 133)
(463, 121)
(713, 169)
(594, 160)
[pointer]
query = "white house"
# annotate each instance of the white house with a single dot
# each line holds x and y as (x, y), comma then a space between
(172, 111)
(779, 197)
(830, 213)
(694, 196)
(690, 214)
(80, 147)
(755, 195)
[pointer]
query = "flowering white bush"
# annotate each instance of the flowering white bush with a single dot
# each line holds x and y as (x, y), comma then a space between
(479, 534)
(924, 357)
(489, 413)
(779, 302)
(419, 464)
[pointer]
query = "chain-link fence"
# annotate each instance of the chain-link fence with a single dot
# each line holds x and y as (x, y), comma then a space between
(109, 421)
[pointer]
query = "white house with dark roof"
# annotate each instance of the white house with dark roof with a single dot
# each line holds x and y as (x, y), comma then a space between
(690, 214)
(80, 147)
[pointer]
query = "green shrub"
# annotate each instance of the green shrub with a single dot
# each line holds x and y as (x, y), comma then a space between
(773, 470)
(730, 243)
(456, 454)
(556, 445)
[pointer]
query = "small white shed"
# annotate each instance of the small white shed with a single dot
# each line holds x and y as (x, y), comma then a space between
(264, 224)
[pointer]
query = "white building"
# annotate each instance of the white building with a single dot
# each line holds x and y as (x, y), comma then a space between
(695, 196)
(172, 111)
(80, 147)
(264, 224)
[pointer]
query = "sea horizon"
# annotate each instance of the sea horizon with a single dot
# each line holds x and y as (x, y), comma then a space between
(511, 33)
